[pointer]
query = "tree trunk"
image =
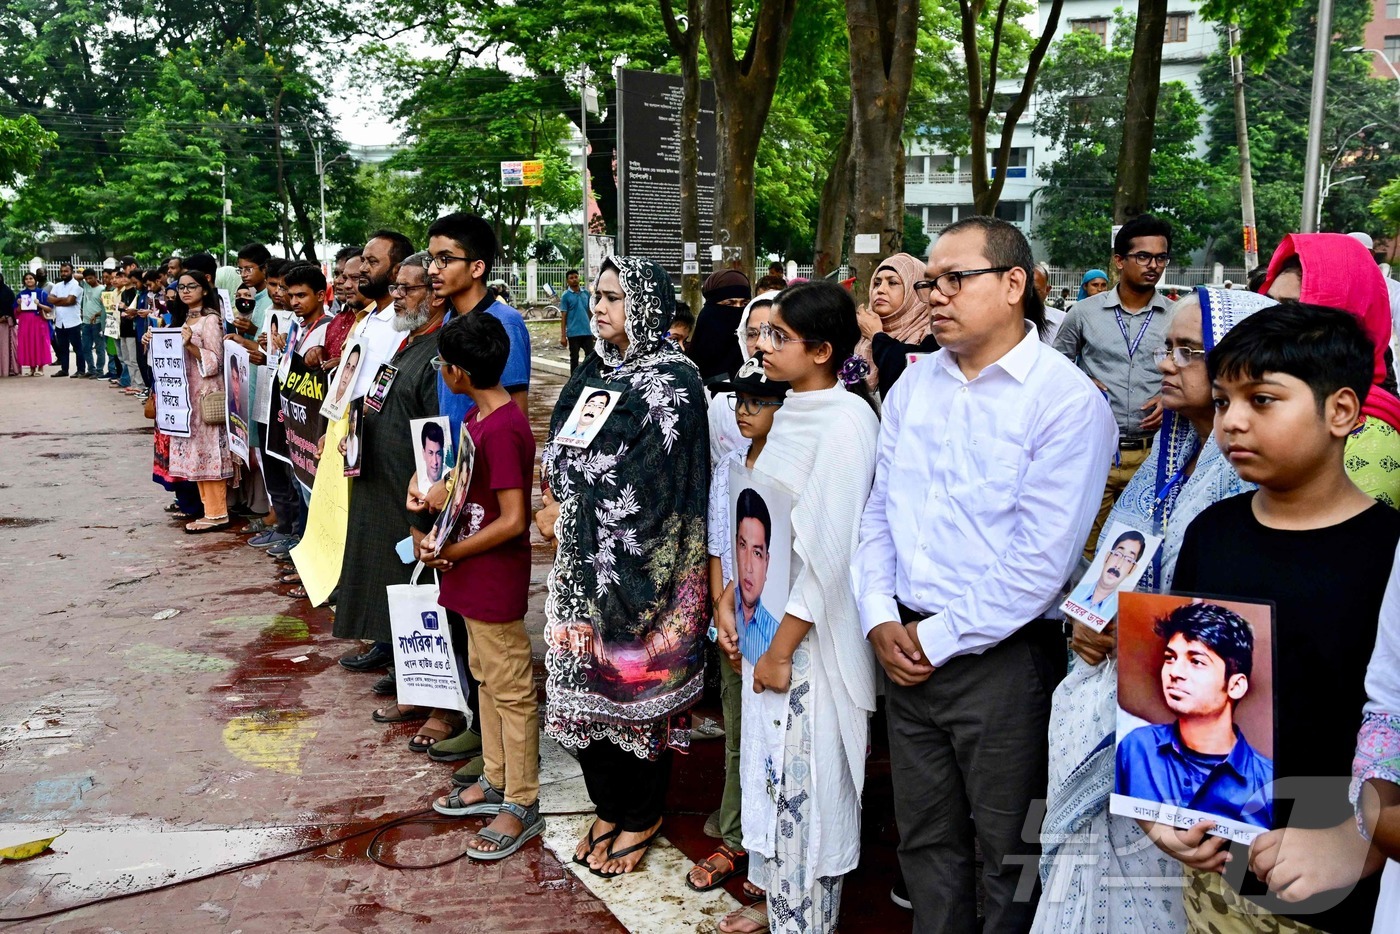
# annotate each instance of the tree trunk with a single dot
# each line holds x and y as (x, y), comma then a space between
(981, 97)
(835, 206)
(743, 96)
(883, 38)
(687, 47)
(1140, 112)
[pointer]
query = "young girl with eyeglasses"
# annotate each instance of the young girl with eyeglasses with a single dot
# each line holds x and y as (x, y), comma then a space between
(801, 801)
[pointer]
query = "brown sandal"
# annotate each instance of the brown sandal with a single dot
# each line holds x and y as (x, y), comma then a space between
(448, 724)
(718, 868)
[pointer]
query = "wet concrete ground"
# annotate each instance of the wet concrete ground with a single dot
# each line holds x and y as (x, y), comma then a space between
(165, 748)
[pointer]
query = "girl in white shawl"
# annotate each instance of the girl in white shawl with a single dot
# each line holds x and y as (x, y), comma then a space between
(801, 810)
(1100, 874)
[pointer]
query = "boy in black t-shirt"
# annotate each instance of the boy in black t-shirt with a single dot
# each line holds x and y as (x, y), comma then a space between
(1289, 384)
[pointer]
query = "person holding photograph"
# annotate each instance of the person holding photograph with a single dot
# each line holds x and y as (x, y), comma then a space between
(1289, 386)
(755, 399)
(801, 807)
(34, 349)
(1202, 760)
(627, 605)
(203, 457)
(486, 589)
(1185, 472)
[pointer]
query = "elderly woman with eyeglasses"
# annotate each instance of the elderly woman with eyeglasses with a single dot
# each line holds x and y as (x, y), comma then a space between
(1184, 473)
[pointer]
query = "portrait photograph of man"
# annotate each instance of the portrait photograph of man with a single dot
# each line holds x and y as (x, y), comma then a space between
(761, 530)
(431, 450)
(1118, 566)
(342, 388)
(589, 414)
(1195, 721)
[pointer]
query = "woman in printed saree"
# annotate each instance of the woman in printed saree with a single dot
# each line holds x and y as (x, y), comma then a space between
(627, 604)
(1099, 873)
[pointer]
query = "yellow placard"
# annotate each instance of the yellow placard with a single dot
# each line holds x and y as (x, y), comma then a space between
(322, 550)
(532, 172)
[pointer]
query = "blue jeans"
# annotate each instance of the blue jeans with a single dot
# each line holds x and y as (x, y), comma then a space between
(94, 348)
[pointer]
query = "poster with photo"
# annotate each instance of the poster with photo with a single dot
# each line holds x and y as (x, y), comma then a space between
(226, 305)
(284, 360)
(112, 315)
(432, 449)
(342, 388)
(354, 437)
(29, 301)
(760, 531)
(274, 330)
(1196, 728)
(589, 414)
(1117, 567)
(262, 403)
(379, 386)
(238, 397)
(461, 480)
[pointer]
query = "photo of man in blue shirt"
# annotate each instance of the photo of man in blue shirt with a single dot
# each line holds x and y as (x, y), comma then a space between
(1202, 761)
(1100, 595)
(753, 530)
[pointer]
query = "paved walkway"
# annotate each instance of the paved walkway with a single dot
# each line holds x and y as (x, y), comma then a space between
(166, 746)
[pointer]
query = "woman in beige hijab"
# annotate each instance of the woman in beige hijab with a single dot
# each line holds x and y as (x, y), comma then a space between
(895, 322)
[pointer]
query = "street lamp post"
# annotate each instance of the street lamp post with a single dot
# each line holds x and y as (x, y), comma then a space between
(1327, 183)
(321, 181)
(1357, 50)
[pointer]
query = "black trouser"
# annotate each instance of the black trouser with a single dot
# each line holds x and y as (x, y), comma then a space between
(470, 686)
(968, 755)
(66, 339)
(626, 790)
(286, 499)
(579, 346)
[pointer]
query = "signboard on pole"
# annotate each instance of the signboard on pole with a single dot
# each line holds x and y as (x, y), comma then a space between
(528, 173)
(649, 166)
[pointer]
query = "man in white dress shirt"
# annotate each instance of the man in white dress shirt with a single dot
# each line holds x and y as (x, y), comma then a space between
(992, 457)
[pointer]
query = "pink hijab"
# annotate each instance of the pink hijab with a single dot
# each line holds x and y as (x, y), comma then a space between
(1339, 272)
(909, 323)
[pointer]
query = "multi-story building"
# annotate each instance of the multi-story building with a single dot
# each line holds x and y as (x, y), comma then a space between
(938, 185)
(1383, 37)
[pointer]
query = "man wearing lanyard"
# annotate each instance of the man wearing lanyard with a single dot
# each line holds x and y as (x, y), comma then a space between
(1112, 335)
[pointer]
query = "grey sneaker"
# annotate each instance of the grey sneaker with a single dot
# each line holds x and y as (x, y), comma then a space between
(267, 538)
(284, 547)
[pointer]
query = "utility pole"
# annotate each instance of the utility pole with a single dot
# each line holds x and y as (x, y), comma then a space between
(583, 128)
(1312, 169)
(223, 209)
(1251, 232)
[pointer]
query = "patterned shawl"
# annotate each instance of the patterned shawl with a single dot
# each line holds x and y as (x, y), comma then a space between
(1160, 495)
(627, 597)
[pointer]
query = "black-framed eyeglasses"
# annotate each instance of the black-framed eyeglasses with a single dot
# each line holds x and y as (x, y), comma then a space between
(950, 283)
(1143, 258)
(398, 288)
(752, 406)
(188, 286)
(443, 260)
(1181, 356)
(777, 339)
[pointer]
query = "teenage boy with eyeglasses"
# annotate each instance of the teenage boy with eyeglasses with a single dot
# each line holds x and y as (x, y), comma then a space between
(1111, 336)
(463, 249)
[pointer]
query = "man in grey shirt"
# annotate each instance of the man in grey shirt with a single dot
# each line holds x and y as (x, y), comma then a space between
(1112, 335)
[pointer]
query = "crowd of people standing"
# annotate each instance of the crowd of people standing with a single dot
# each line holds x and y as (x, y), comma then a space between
(950, 458)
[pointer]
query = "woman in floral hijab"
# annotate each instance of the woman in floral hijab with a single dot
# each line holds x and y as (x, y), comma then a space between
(627, 602)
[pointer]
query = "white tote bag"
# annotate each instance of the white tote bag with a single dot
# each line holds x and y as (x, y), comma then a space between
(425, 667)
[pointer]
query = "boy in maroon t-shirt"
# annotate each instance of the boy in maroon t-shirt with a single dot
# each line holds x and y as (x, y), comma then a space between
(485, 567)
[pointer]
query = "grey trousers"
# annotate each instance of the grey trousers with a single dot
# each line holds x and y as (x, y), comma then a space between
(968, 752)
